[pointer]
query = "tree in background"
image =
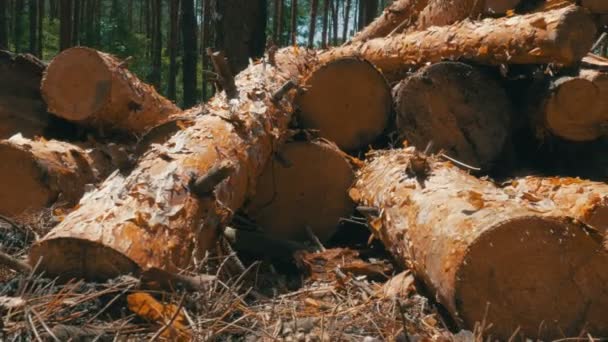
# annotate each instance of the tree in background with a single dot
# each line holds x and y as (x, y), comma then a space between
(173, 38)
(189, 28)
(368, 9)
(65, 24)
(3, 26)
(18, 13)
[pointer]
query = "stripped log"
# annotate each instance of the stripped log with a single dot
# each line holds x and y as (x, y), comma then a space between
(102, 93)
(483, 255)
(34, 174)
(447, 12)
(574, 107)
(562, 36)
(457, 108)
(399, 15)
(296, 191)
(347, 100)
(584, 200)
(150, 221)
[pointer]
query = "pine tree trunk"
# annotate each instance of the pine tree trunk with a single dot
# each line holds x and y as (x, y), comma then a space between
(76, 23)
(314, 4)
(157, 46)
(41, 13)
(294, 22)
(483, 255)
(173, 37)
(38, 173)
(334, 20)
(33, 12)
(564, 39)
(575, 106)
(107, 96)
(346, 20)
(18, 13)
(206, 42)
(65, 24)
(3, 27)
(367, 12)
(457, 108)
(190, 58)
(324, 37)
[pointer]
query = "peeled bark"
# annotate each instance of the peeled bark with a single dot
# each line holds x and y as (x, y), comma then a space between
(458, 108)
(35, 174)
(102, 93)
(151, 220)
(575, 107)
(295, 191)
(483, 255)
(580, 199)
(21, 107)
(400, 13)
(561, 36)
(348, 101)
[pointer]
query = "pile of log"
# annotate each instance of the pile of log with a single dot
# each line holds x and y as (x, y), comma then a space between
(300, 139)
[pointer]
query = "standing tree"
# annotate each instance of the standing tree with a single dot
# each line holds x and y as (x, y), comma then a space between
(314, 4)
(277, 22)
(173, 37)
(294, 22)
(76, 23)
(190, 52)
(3, 27)
(325, 23)
(346, 20)
(205, 42)
(241, 31)
(65, 24)
(367, 12)
(40, 28)
(18, 11)
(33, 12)
(157, 47)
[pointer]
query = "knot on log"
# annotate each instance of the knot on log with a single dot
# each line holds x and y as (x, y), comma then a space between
(203, 186)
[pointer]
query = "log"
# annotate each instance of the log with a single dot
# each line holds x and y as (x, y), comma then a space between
(584, 200)
(594, 6)
(21, 107)
(574, 107)
(458, 108)
(562, 36)
(102, 93)
(149, 221)
(35, 174)
(399, 15)
(347, 100)
(483, 255)
(297, 191)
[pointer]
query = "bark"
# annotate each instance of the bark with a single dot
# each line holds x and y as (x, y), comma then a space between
(583, 200)
(173, 37)
(36, 174)
(562, 36)
(190, 58)
(241, 31)
(22, 109)
(107, 96)
(296, 192)
(594, 6)
(65, 24)
(483, 255)
(457, 108)
(33, 12)
(3, 26)
(314, 4)
(575, 106)
(401, 13)
(150, 219)
(348, 101)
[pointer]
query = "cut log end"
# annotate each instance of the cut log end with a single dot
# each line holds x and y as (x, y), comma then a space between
(23, 184)
(575, 110)
(77, 84)
(69, 258)
(575, 41)
(348, 101)
(296, 191)
(456, 107)
(534, 273)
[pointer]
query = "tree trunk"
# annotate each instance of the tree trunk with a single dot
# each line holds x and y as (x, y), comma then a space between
(296, 192)
(314, 4)
(190, 58)
(36, 174)
(582, 200)
(241, 31)
(3, 27)
(565, 36)
(206, 42)
(40, 43)
(596, 6)
(483, 255)
(346, 20)
(164, 218)
(457, 108)
(173, 37)
(54, 9)
(33, 12)
(157, 45)
(575, 107)
(367, 12)
(348, 101)
(76, 23)
(21, 107)
(65, 25)
(18, 15)
(334, 20)
(107, 96)
(400, 14)
(324, 37)
(294, 22)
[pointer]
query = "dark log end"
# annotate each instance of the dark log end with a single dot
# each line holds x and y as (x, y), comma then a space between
(348, 101)
(546, 277)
